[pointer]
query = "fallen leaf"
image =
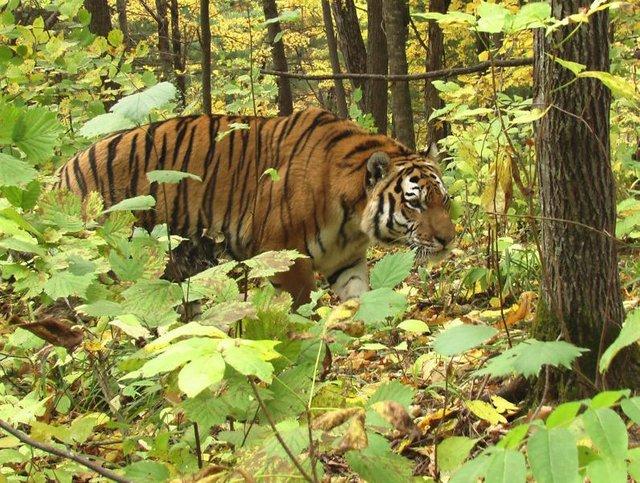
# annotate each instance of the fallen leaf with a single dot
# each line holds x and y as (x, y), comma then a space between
(356, 435)
(56, 332)
(396, 414)
(333, 419)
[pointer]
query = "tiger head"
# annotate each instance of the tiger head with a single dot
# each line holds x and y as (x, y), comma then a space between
(407, 203)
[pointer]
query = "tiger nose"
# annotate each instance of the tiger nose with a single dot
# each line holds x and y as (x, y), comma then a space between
(444, 240)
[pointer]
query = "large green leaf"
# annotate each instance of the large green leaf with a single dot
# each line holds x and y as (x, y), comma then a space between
(528, 357)
(392, 269)
(631, 408)
(493, 17)
(247, 360)
(607, 470)
(65, 284)
(178, 354)
(105, 124)
(35, 132)
(506, 466)
(201, 373)
(452, 452)
(460, 338)
(267, 264)
(532, 15)
(607, 431)
(553, 456)
(629, 334)
(14, 171)
(138, 106)
(377, 463)
(143, 202)
(377, 305)
(145, 471)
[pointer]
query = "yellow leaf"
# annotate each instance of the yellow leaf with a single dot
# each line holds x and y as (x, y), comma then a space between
(485, 411)
(503, 405)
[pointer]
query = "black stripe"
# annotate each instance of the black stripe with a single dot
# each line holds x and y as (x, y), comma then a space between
(111, 157)
(79, 178)
(333, 278)
(91, 154)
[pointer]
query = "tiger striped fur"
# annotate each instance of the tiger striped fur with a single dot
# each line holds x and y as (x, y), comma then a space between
(339, 189)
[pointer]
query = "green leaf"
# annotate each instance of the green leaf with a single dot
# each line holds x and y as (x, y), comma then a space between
(393, 391)
(131, 325)
(105, 124)
(201, 373)
(631, 408)
(377, 463)
(485, 411)
(532, 15)
(143, 202)
(151, 296)
(205, 410)
(35, 133)
(514, 437)
(452, 452)
(572, 66)
(607, 399)
(377, 305)
(607, 470)
(563, 415)
(100, 308)
(170, 176)
(138, 106)
(267, 264)
(178, 354)
(506, 466)
(472, 470)
(553, 456)
(65, 284)
(145, 471)
(392, 269)
(528, 357)
(460, 338)
(629, 334)
(188, 330)
(619, 87)
(607, 431)
(493, 17)
(415, 326)
(530, 116)
(247, 361)
(271, 173)
(14, 171)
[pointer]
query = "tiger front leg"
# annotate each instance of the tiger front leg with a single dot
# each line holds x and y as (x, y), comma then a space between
(350, 281)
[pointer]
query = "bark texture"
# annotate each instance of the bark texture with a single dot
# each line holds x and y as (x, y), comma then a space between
(436, 129)
(350, 39)
(123, 22)
(396, 20)
(285, 99)
(100, 23)
(341, 98)
(177, 53)
(205, 39)
(580, 296)
(376, 93)
(163, 38)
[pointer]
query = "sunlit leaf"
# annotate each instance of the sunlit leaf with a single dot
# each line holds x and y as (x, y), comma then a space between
(460, 338)
(392, 269)
(138, 106)
(14, 171)
(553, 456)
(629, 334)
(169, 176)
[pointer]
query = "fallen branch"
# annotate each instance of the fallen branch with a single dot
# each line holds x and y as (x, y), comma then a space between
(434, 74)
(63, 453)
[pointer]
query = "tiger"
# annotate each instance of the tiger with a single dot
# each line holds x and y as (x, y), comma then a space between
(333, 189)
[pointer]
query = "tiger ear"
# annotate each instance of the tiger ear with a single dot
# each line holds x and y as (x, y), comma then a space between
(431, 151)
(378, 166)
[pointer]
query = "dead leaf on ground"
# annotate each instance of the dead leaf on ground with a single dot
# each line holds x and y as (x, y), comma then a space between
(333, 419)
(434, 417)
(356, 435)
(518, 311)
(55, 332)
(395, 414)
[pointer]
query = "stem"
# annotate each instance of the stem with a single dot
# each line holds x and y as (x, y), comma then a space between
(63, 453)
(277, 434)
(196, 433)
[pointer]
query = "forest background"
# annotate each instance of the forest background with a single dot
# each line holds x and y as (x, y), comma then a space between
(496, 361)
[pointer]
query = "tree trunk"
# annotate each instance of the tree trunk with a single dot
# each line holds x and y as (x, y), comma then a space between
(285, 99)
(163, 38)
(580, 296)
(177, 53)
(341, 98)
(205, 39)
(396, 20)
(436, 129)
(100, 23)
(350, 39)
(376, 93)
(123, 23)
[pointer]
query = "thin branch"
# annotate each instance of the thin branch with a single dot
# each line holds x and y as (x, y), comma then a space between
(277, 434)
(435, 74)
(63, 453)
